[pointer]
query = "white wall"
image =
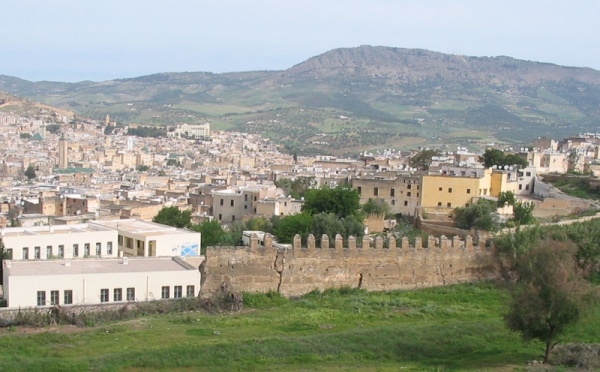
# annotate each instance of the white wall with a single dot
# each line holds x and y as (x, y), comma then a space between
(21, 290)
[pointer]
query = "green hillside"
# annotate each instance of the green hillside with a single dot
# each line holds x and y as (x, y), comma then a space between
(449, 328)
(348, 100)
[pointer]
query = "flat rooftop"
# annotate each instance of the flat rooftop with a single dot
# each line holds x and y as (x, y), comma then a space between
(140, 227)
(53, 230)
(98, 266)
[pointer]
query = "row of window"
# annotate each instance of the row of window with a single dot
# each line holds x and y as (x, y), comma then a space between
(177, 291)
(117, 294)
(392, 191)
(55, 297)
(60, 252)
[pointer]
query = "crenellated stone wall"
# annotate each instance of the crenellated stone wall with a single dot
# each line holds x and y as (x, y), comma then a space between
(299, 270)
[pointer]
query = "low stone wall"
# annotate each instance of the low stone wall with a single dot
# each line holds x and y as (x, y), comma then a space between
(299, 270)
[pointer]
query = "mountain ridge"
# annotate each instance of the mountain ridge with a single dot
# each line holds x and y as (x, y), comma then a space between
(389, 94)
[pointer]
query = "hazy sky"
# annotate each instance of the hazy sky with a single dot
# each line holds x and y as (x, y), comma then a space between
(74, 40)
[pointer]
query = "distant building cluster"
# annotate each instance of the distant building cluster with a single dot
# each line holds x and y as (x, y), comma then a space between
(84, 217)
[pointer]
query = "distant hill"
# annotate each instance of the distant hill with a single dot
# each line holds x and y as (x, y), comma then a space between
(351, 99)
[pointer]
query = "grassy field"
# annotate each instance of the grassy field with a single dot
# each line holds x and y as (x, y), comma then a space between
(450, 328)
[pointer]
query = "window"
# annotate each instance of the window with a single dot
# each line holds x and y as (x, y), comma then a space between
(449, 189)
(9, 253)
(449, 205)
(245, 197)
(68, 298)
(409, 186)
(41, 298)
(61, 250)
(220, 216)
(54, 297)
(526, 187)
(231, 203)
(75, 250)
(130, 294)
(392, 193)
(359, 190)
(118, 294)
(393, 202)
(109, 248)
(98, 249)
(104, 295)
(165, 292)
(468, 191)
(190, 291)
(405, 203)
(48, 251)
(417, 187)
(86, 249)
(408, 193)
(221, 201)
(439, 204)
(36, 253)
(440, 189)
(177, 291)
(520, 187)
(120, 240)
(528, 174)
(25, 253)
(376, 191)
(233, 218)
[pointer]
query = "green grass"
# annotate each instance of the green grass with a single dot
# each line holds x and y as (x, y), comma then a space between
(449, 328)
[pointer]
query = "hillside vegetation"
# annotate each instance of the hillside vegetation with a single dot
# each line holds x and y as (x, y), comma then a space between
(450, 328)
(352, 99)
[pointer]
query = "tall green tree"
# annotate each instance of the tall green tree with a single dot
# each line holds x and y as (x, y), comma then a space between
(284, 228)
(479, 215)
(172, 216)
(30, 172)
(376, 206)
(212, 233)
(4, 255)
(549, 295)
(423, 159)
(496, 157)
(342, 201)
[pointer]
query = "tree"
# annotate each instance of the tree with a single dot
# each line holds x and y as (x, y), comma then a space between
(496, 157)
(514, 159)
(479, 215)
(492, 157)
(376, 206)
(172, 216)
(212, 233)
(30, 172)
(549, 295)
(4, 255)
(341, 200)
(523, 213)
(506, 198)
(423, 159)
(284, 228)
(331, 225)
(296, 188)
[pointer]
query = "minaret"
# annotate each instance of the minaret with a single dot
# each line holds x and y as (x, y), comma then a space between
(63, 160)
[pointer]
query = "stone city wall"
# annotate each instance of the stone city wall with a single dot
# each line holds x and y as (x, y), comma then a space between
(298, 270)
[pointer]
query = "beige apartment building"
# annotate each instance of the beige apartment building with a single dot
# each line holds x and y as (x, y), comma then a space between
(401, 192)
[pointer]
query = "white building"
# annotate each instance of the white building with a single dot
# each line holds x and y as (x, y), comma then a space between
(60, 241)
(97, 281)
(139, 238)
